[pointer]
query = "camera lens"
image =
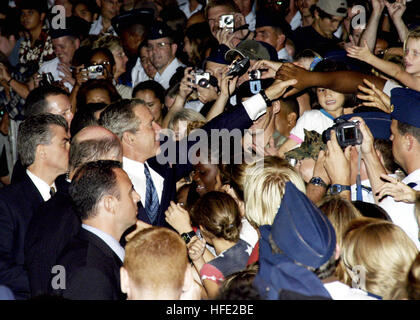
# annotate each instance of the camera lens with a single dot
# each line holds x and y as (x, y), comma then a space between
(203, 83)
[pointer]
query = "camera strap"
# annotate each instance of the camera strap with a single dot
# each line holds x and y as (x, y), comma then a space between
(359, 194)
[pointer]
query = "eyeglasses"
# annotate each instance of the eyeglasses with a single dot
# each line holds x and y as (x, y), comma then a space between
(158, 45)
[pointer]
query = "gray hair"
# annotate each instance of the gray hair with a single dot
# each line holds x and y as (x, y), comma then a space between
(36, 130)
(92, 150)
(119, 117)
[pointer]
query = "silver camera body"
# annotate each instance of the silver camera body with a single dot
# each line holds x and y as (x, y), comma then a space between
(95, 71)
(202, 78)
(254, 75)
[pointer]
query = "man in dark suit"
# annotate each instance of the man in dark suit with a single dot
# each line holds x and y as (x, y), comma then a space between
(106, 202)
(133, 123)
(55, 222)
(42, 100)
(43, 146)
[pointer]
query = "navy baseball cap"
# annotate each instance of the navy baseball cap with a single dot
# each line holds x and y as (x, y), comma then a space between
(405, 106)
(379, 123)
(160, 30)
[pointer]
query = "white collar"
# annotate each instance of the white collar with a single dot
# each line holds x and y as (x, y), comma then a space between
(43, 187)
(412, 177)
(108, 239)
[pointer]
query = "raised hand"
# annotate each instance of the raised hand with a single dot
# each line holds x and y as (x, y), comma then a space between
(396, 189)
(178, 218)
(374, 97)
(396, 9)
(290, 71)
(196, 248)
(270, 66)
(360, 53)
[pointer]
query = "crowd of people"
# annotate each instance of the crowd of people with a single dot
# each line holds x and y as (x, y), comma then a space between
(219, 149)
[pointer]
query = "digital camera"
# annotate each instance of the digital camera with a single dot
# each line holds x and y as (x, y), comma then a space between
(95, 71)
(227, 21)
(46, 79)
(348, 133)
(238, 67)
(202, 78)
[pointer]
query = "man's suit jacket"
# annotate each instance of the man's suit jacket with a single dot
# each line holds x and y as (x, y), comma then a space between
(237, 119)
(18, 202)
(51, 229)
(92, 269)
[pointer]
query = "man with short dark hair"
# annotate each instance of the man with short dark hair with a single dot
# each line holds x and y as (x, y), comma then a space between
(43, 145)
(162, 50)
(106, 203)
(109, 9)
(55, 223)
(319, 37)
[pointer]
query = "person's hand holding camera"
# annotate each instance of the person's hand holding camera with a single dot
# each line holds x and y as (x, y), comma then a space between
(207, 94)
(82, 76)
(337, 162)
(228, 84)
(367, 147)
(67, 76)
(187, 83)
(270, 68)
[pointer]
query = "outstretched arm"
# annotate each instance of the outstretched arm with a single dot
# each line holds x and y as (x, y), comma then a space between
(340, 81)
(369, 35)
(391, 69)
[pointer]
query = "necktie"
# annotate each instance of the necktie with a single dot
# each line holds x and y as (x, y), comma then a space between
(52, 191)
(152, 199)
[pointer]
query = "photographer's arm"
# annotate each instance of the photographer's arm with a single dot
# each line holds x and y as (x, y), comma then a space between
(228, 85)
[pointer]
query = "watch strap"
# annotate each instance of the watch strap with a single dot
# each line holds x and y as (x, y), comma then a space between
(187, 236)
(317, 181)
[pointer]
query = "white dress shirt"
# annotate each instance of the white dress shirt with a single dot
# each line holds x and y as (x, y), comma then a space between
(283, 54)
(52, 66)
(185, 7)
(167, 74)
(135, 171)
(41, 185)
(296, 21)
(97, 27)
(403, 214)
(251, 18)
(108, 239)
(138, 74)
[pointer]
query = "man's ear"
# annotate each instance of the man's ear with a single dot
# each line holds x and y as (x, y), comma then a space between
(40, 151)
(276, 107)
(280, 40)
(109, 203)
(174, 47)
(125, 282)
(409, 141)
(127, 138)
(292, 119)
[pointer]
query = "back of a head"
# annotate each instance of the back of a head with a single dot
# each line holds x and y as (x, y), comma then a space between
(340, 212)
(36, 130)
(413, 285)
(187, 115)
(36, 102)
(90, 183)
(82, 151)
(156, 261)
(264, 188)
(383, 251)
(218, 213)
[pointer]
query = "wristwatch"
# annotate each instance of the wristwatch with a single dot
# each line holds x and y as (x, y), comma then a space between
(338, 188)
(317, 181)
(187, 236)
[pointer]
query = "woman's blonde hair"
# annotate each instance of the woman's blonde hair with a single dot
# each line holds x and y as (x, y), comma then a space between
(413, 34)
(264, 187)
(384, 253)
(110, 42)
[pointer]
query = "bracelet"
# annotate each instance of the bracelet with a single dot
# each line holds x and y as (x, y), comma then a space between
(268, 102)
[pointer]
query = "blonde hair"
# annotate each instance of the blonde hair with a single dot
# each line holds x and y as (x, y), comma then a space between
(110, 42)
(413, 34)
(413, 286)
(385, 253)
(156, 258)
(340, 212)
(264, 187)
